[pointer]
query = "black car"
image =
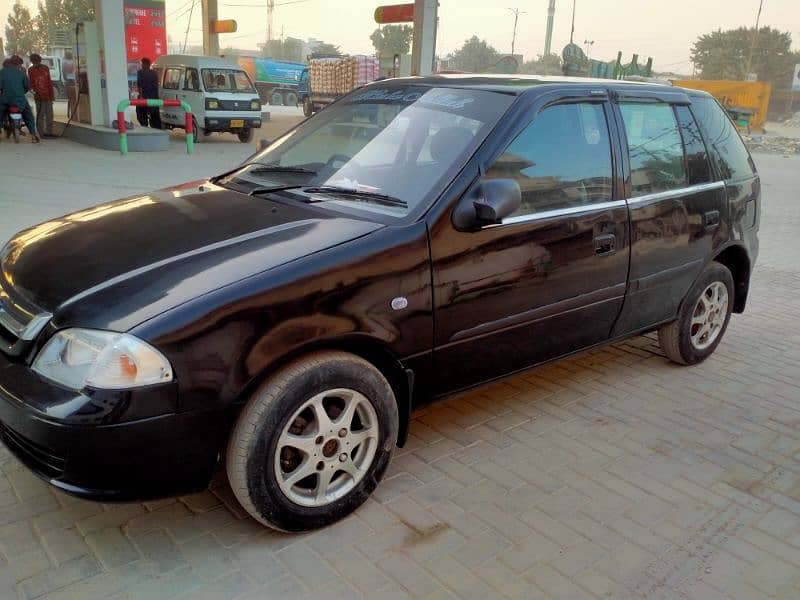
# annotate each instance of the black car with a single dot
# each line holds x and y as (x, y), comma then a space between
(417, 237)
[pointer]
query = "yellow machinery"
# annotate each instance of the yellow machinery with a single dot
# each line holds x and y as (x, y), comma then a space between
(747, 101)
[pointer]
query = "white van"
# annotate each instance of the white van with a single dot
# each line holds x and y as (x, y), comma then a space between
(222, 97)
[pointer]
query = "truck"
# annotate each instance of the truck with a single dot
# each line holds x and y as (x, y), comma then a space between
(331, 77)
(276, 80)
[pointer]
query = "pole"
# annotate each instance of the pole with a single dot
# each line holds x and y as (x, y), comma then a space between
(572, 31)
(210, 39)
(517, 13)
(755, 37)
(548, 36)
(424, 47)
(189, 24)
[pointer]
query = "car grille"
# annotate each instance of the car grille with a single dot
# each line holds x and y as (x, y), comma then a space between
(236, 105)
(33, 455)
(18, 327)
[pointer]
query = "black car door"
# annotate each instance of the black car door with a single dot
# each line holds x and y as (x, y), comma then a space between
(551, 278)
(677, 210)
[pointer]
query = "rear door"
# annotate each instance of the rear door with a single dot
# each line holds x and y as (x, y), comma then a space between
(171, 90)
(677, 210)
(551, 278)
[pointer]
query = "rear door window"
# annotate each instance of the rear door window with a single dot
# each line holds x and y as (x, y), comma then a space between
(562, 159)
(172, 79)
(697, 165)
(655, 148)
(726, 147)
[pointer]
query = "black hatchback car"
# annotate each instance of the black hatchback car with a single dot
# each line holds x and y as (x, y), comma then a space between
(415, 238)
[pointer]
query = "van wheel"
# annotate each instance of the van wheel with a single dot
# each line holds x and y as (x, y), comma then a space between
(245, 136)
(313, 441)
(198, 135)
(308, 108)
(703, 318)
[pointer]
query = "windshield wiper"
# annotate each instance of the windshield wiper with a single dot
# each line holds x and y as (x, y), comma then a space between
(264, 168)
(267, 190)
(384, 199)
(268, 168)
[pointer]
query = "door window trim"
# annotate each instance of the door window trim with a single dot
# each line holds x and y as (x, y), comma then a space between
(668, 194)
(561, 212)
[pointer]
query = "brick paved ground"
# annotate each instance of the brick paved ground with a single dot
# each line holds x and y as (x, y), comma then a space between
(614, 474)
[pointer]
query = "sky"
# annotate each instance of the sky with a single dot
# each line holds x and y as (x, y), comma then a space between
(663, 30)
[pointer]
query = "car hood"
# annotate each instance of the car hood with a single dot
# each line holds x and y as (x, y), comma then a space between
(119, 264)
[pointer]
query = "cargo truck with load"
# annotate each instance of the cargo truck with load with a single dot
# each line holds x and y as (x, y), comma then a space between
(276, 80)
(329, 78)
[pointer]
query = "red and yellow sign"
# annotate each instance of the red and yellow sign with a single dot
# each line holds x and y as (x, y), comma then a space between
(394, 13)
(145, 29)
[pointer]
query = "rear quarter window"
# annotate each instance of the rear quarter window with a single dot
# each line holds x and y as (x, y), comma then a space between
(724, 144)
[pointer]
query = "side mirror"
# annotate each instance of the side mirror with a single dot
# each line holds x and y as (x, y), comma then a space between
(490, 202)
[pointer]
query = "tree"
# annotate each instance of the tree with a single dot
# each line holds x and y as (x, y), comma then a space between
(724, 55)
(61, 15)
(21, 35)
(475, 56)
(543, 65)
(325, 48)
(392, 39)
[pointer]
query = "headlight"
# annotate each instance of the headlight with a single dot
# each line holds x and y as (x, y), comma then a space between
(212, 103)
(77, 358)
(255, 104)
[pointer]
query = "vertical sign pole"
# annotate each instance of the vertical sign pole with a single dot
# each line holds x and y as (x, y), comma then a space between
(424, 48)
(210, 39)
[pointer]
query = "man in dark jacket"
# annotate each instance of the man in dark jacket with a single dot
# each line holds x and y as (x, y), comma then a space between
(13, 87)
(147, 81)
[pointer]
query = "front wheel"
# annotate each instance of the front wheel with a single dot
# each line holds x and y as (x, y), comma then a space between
(308, 108)
(245, 136)
(702, 319)
(313, 442)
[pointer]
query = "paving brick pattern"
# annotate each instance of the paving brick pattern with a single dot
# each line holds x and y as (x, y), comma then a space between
(613, 474)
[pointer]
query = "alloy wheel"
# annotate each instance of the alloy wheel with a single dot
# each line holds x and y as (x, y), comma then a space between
(708, 317)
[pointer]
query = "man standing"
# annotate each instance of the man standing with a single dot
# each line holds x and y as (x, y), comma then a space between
(13, 86)
(147, 81)
(43, 95)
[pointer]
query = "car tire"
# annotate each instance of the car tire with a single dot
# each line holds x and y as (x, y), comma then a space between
(313, 441)
(245, 135)
(702, 319)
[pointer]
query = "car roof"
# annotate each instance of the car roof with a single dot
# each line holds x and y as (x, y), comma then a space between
(520, 84)
(209, 62)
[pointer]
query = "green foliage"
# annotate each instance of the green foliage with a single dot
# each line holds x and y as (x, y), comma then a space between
(543, 65)
(21, 34)
(61, 15)
(475, 56)
(724, 54)
(325, 48)
(392, 39)
(290, 49)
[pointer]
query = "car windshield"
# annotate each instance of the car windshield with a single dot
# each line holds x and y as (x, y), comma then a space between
(404, 143)
(226, 80)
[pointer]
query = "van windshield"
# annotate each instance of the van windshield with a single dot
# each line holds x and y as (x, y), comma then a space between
(226, 80)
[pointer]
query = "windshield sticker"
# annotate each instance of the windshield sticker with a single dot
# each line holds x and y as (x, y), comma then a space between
(450, 99)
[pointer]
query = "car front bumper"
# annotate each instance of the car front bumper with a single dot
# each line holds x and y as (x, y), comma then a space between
(100, 446)
(214, 123)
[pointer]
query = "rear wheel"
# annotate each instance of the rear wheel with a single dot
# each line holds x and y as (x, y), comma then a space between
(276, 99)
(290, 99)
(313, 442)
(15, 131)
(245, 136)
(308, 108)
(703, 318)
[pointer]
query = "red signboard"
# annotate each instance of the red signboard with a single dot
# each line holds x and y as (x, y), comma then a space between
(145, 29)
(394, 13)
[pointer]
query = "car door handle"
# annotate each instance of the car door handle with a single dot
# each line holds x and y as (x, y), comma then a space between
(605, 244)
(711, 219)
